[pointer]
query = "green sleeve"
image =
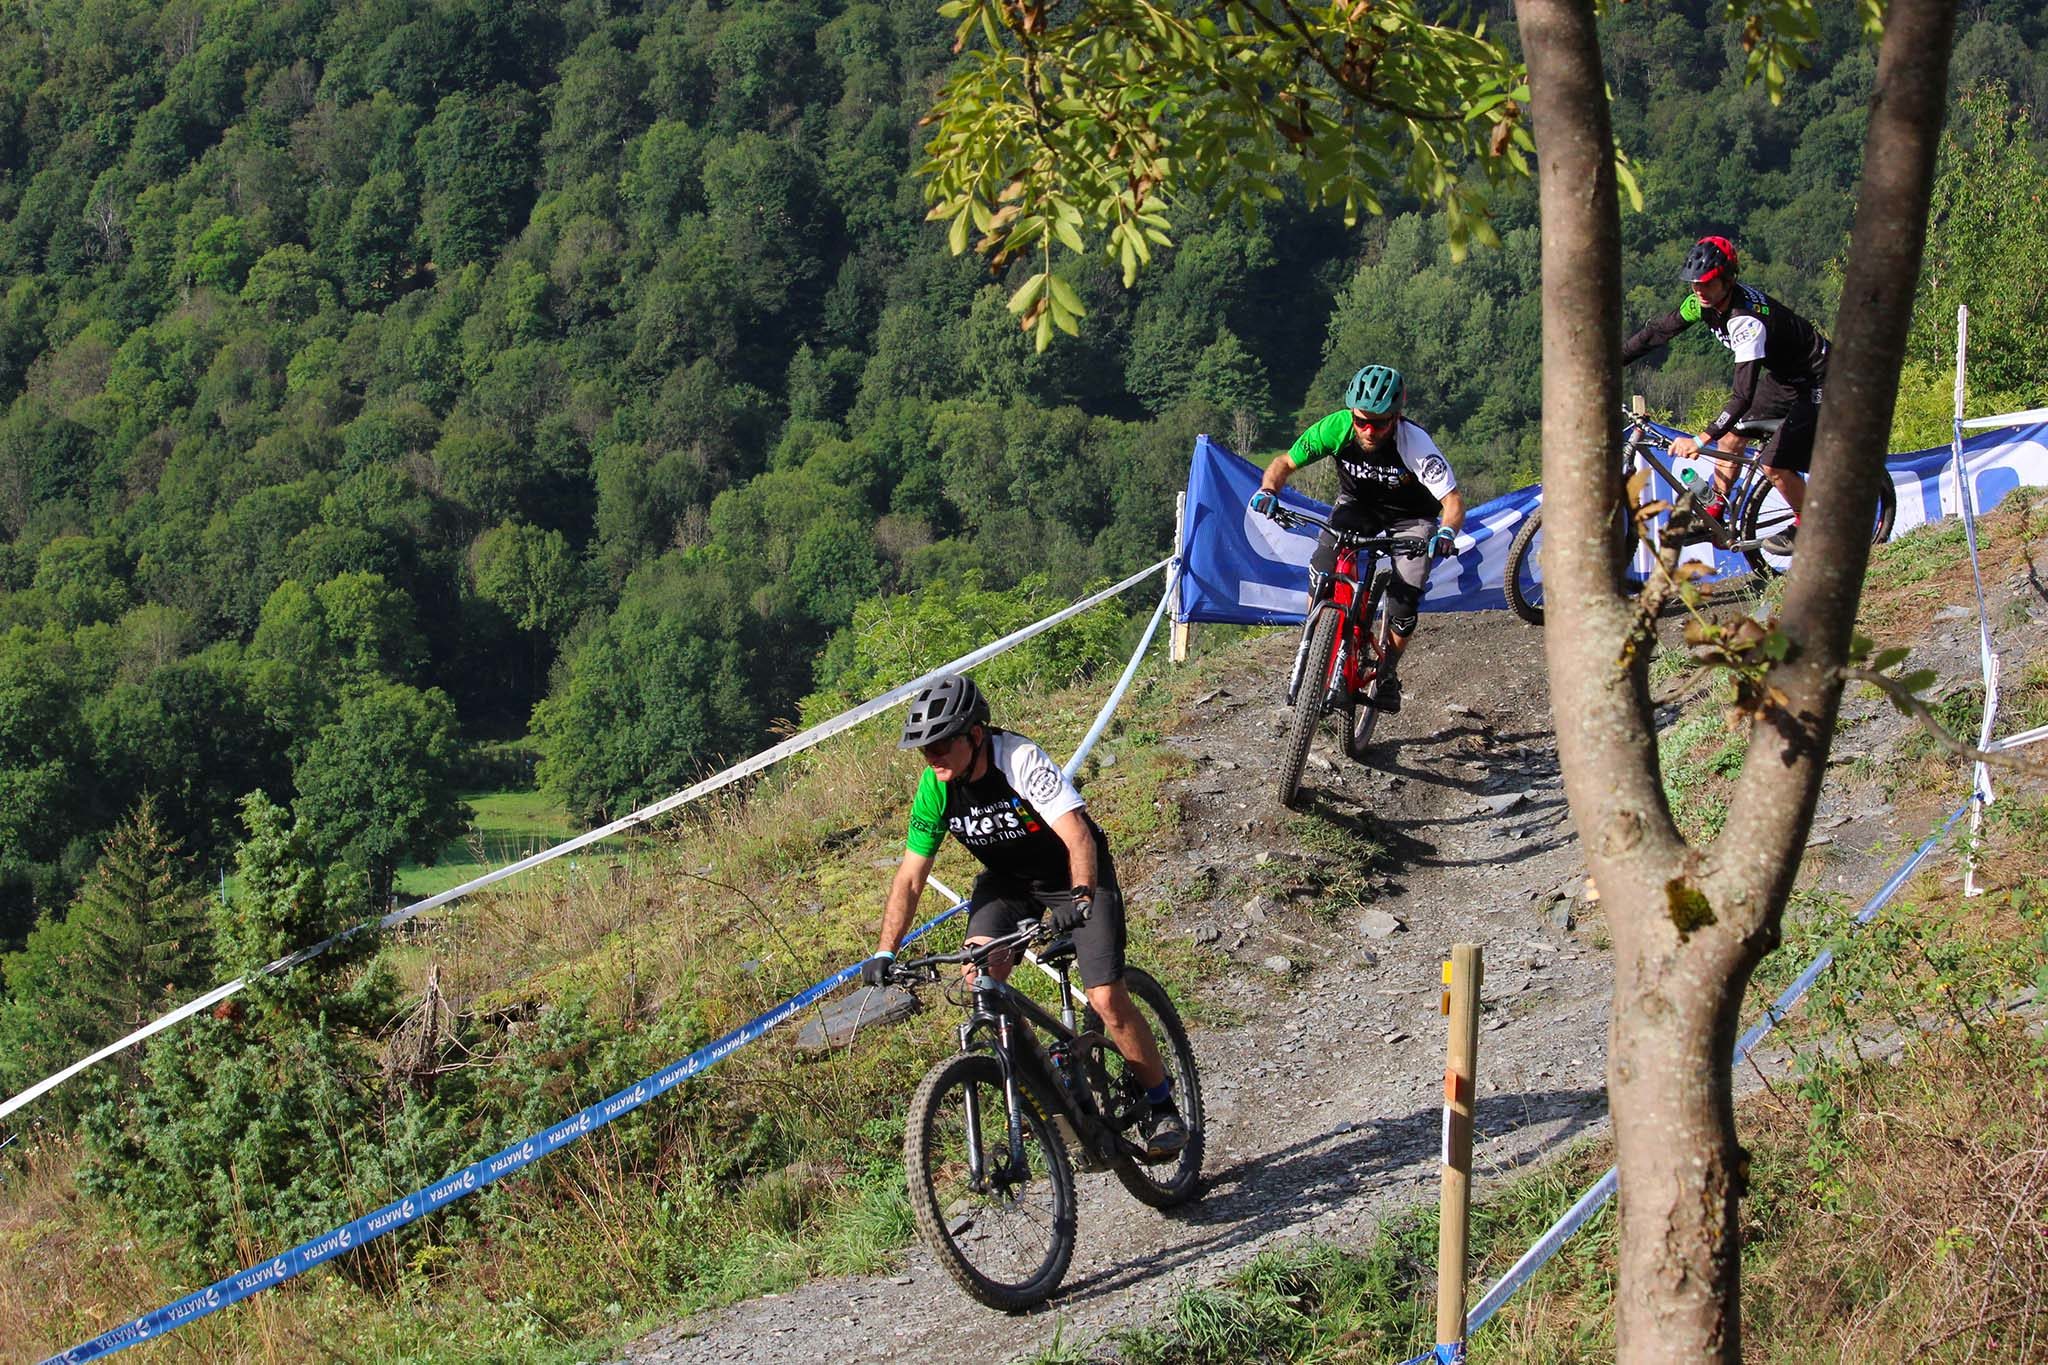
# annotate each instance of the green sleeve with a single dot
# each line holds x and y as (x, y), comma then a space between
(1326, 437)
(927, 816)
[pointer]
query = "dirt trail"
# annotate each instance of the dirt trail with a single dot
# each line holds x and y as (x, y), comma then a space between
(1325, 1106)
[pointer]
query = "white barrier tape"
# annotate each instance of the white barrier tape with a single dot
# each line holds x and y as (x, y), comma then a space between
(817, 734)
(1603, 1189)
(400, 1212)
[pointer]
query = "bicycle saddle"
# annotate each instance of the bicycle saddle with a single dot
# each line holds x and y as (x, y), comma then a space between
(1759, 426)
(1058, 952)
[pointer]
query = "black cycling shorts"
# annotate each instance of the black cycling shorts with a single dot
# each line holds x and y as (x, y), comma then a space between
(1791, 445)
(1000, 902)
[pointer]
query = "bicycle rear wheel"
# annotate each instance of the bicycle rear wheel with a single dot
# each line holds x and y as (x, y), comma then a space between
(1166, 1184)
(1006, 1239)
(1308, 703)
(1765, 513)
(1366, 714)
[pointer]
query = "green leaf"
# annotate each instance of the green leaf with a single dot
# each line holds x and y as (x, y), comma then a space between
(1919, 681)
(1027, 294)
(1888, 659)
(1064, 299)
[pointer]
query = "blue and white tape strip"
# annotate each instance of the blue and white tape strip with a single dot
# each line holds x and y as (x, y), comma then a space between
(817, 734)
(1546, 1246)
(471, 1178)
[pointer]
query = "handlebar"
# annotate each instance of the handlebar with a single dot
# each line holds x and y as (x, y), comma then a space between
(1294, 517)
(919, 969)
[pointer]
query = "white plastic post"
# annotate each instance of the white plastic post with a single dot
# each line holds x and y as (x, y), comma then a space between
(1180, 640)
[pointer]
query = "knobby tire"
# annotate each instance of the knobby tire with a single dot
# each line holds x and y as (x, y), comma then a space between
(1525, 597)
(1164, 1185)
(1308, 703)
(933, 1156)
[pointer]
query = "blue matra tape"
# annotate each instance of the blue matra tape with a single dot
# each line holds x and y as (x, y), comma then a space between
(471, 1178)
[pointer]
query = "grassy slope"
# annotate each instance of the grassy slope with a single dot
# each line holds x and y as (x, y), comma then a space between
(772, 1168)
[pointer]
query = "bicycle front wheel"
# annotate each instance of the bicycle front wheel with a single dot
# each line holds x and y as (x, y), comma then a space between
(1165, 1184)
(1523, 582)
(1007, 1235)
(1308, 702)
(1367, 713)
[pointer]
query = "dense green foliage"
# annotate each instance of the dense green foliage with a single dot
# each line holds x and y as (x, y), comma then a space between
(386, 377)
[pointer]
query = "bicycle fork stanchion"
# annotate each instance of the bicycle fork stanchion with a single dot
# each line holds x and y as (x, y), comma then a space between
(1462, 975)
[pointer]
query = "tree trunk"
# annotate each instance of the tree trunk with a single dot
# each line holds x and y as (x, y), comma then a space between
(1690, 925)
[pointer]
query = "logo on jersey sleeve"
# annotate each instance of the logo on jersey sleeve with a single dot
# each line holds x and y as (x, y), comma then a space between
(1435, 470)
(1043, 783)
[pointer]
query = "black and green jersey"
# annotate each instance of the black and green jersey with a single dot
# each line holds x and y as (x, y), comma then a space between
(1765, 337)
(1405, 475)
(1004, 817)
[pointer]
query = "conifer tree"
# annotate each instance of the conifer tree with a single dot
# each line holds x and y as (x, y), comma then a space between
(141, 923)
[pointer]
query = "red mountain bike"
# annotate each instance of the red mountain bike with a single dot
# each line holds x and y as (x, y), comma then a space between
(1345, 644)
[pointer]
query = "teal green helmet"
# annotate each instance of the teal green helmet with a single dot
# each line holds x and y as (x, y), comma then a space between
(1376, 389)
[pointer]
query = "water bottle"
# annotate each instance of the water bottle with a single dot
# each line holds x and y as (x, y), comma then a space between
(1688, 476)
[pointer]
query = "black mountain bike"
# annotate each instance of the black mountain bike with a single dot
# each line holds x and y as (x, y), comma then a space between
(1346, 647)
(1756, 513)
(987, 1139)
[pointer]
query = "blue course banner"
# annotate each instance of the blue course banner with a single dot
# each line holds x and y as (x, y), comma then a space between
(458, 1184)
(1240, 568)
(1243, 569)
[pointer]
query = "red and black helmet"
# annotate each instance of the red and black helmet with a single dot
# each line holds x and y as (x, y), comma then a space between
(1709, 259)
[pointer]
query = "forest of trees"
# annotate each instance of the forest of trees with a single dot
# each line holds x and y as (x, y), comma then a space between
(383, 379)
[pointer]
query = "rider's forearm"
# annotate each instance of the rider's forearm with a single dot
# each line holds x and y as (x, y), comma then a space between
(1453, 512)
(1080, 841)
(1277, 474)
(904, 893)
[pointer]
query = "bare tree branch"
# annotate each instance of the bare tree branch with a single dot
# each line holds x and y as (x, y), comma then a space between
(1911, 704)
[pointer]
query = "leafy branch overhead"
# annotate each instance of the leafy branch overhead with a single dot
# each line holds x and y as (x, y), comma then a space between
(1072, 121)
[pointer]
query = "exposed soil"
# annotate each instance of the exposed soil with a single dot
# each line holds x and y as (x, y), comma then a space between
(1324, 1107)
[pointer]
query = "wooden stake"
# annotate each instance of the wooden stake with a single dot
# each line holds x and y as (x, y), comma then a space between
(1462, 976)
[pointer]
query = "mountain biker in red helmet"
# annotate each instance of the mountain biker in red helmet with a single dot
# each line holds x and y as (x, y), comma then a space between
(1392, 480)
(1044, 856)
(1781, 364)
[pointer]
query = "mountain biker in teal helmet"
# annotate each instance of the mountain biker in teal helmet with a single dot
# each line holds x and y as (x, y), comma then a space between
(1391, 480)
(1043, 856)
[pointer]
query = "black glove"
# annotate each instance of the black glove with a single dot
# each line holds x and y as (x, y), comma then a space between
(875, 971)
(1264, 501)
(1071, 913)
(1443, 544)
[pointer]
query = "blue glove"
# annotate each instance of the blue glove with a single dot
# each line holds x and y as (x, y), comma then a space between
(1264, 501)
(1443, 544)
(1070, 914)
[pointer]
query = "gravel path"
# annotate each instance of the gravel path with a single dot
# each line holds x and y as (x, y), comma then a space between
(1325, 1106)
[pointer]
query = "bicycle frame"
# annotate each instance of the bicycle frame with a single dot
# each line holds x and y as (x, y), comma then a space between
(1005, 1022)
(1354, 636)
(1640, 443)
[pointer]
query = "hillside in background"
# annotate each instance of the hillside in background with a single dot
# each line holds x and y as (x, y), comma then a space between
(382, 378)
